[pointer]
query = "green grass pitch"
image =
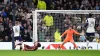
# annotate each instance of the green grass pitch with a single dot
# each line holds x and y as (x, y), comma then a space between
(50, 53)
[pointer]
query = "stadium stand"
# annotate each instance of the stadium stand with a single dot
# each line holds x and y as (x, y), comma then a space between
(76, 4)
(23, 14)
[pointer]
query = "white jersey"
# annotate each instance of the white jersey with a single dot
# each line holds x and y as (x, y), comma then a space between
(16, 30)
(91, 25)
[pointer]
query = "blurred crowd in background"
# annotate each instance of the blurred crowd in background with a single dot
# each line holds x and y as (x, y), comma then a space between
(11, 12)
(76, 4)
(55, 4)
(22, 9)
(52, 25)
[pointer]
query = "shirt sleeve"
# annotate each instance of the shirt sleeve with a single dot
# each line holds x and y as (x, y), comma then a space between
(64, 33)
(75, 32)
(87, 21)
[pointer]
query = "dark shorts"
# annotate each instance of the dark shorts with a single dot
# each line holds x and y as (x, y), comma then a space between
(18, 38)
(90, 36)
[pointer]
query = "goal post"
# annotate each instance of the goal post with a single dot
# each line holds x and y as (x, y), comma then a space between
(35, 38)
(68, 12)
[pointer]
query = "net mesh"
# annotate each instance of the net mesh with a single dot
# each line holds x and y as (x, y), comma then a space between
(50, 25)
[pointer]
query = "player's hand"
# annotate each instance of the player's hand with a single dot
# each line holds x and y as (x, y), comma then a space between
(81, 34)
(60, 36)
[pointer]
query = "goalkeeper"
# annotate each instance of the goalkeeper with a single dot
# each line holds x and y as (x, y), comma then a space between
(69, 37)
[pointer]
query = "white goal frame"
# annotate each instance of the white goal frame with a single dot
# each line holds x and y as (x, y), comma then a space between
(35, 37)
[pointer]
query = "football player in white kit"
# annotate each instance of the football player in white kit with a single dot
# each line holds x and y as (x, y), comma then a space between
(17, 36)
(90, 32)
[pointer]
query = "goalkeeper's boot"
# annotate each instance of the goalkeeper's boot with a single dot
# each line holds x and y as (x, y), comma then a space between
(59, 48)
(76, 48)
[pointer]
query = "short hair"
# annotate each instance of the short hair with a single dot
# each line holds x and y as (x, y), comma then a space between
(71, 25)
(38, 45)
(16, 22)
(90, 15)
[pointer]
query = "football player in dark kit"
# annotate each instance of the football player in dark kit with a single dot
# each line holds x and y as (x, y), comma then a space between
(31, 48)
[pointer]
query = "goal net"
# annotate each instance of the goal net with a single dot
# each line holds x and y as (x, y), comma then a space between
(48, 25)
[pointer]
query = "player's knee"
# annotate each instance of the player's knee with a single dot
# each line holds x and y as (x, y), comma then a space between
(25, 45)
(63, 43)
(72, 42)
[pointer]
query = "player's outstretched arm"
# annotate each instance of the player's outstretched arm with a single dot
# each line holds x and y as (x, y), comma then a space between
(64, 33)
(75, 32)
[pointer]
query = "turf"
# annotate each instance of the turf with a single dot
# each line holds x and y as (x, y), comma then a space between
(50, 53)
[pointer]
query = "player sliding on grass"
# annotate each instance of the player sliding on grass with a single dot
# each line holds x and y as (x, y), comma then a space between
(69, 37)
(31, 48)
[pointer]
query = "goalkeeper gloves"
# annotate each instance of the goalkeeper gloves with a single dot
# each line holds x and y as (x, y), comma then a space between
(60, 36)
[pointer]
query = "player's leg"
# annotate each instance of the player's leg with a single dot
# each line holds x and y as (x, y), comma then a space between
(16, 42)
(21, 41)
(92, 35)
(62, 44)
(65, 41)
(24, 47)
(72, 41)
(87, 39)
